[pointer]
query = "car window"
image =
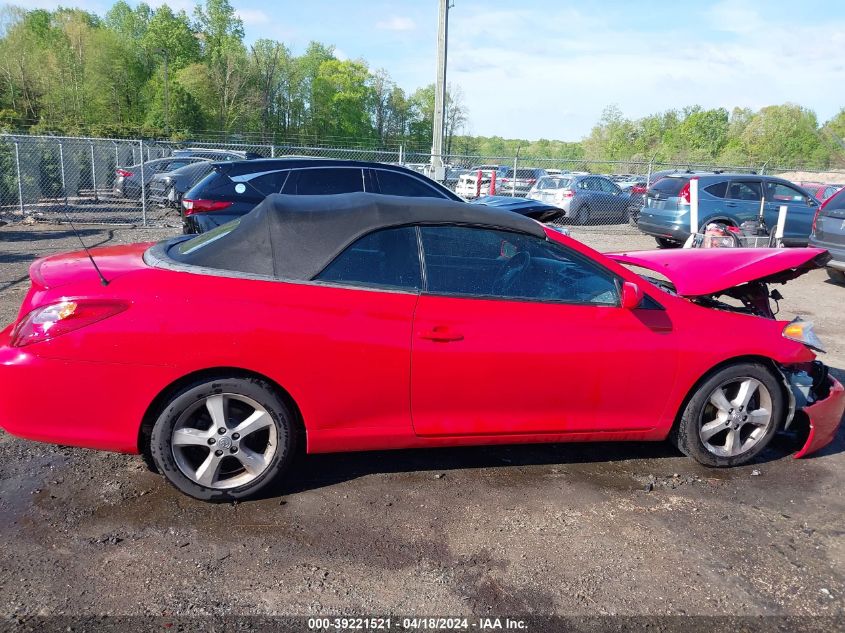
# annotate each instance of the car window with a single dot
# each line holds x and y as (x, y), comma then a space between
(744, 190)
(176, 164)
(325, 180)
(217, 186)
(479, 262)
(669, 186)
(780, 192)
(607, 186)
(719, 190)
(268, 183)
(388, 258)
(829, 191)
(395, 184)
(837, 202)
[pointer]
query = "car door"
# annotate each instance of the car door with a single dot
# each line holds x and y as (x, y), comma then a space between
(617, 202)
(742, 202)
(800, 210)
(515, 334)
(360, 315)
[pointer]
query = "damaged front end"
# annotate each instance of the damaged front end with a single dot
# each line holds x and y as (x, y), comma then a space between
(737, 280)
(817, 400)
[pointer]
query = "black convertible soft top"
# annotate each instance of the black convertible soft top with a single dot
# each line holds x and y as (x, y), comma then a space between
(296, 237)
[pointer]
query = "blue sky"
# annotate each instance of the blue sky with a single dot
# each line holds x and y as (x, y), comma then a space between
(546, 69)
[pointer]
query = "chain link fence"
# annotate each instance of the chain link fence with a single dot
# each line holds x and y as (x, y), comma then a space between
(55, 179)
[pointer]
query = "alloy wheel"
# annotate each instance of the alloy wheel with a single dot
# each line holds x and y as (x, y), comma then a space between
(736, 417)
(224, 441)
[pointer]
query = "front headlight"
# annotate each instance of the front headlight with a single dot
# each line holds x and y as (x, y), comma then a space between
(803, 332)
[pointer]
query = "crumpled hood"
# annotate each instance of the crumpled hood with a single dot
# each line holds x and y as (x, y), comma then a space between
(706, 271)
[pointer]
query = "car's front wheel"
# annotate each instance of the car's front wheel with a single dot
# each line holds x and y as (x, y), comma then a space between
(732, 416)
(223, 439)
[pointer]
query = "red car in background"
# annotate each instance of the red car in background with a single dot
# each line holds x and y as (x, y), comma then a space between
(360, 322)
(822, 191)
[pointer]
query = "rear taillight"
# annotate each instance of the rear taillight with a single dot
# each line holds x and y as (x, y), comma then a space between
(202, 206)
(638, 189)
(124, 173)
(818, 211)
(567, 193)
(684, 193)
(50, 321)
(532, 180)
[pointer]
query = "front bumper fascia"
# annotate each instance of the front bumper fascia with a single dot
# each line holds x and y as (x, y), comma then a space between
(825, 417)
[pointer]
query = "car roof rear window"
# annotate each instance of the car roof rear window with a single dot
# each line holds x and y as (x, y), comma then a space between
(836, 202)
(670, 185)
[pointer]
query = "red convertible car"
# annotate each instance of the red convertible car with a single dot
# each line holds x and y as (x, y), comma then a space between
(358, 322)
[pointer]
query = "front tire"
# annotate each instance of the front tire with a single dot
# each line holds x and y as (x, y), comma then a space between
(223, 439)
(732, 416)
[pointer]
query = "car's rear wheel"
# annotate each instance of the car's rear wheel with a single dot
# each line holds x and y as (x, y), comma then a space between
(223, 439)
(732, 416)
(836, 275)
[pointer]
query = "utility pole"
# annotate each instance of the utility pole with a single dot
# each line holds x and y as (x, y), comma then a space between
(437, 166)
(163, 53)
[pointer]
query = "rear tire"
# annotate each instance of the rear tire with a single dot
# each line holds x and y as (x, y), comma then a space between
(836, 276)
(732, 416)
(223, 439)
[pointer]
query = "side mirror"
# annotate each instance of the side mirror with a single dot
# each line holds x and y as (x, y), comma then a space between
(631, 295)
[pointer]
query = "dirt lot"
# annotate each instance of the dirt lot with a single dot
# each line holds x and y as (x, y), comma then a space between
(568, 529)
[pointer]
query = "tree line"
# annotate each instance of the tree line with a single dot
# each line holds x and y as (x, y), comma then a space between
(160, 73)
(156, 72)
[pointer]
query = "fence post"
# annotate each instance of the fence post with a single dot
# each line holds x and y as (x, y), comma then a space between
(94, 174)
(513, 180)
(273, 151)
(401, 155)
(143, 186)
(18, 166)
(62, 168)
(648, 177)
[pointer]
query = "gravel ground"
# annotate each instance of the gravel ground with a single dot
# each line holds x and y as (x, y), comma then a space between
(567, 529)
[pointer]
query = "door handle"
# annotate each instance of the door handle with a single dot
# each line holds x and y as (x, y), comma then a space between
(441, 334)
(730, 204)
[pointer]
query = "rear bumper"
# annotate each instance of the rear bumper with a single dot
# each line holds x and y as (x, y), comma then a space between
(837, 252)
(825, 417)
(75, 403)
(648, 225)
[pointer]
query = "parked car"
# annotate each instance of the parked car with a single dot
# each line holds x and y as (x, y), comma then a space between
(535, 209)
(168, 188)
(468, 184)
(233, 189)
(310, 322)
(216, 154)
(730, 199)
(127, 182)
(821, 191)
(520, 183)
(584, 199)
(828, 232)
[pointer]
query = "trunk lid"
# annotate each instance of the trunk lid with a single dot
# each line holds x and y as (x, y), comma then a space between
(700, 272)
(65, 268)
